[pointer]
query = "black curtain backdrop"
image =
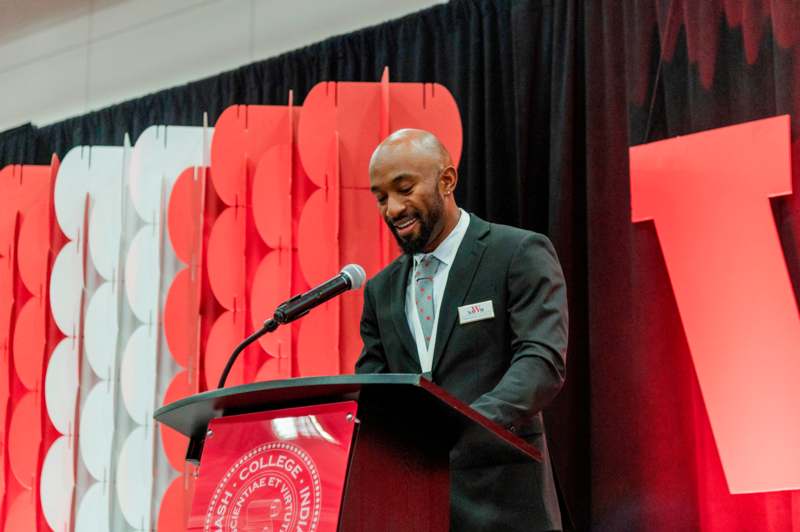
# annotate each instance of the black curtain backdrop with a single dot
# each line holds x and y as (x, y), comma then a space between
(552, 94)
(656, 69)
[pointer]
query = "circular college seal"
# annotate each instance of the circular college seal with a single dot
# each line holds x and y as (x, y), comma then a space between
(274, 487)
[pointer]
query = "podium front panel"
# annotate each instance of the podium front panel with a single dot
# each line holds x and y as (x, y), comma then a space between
(279, 470)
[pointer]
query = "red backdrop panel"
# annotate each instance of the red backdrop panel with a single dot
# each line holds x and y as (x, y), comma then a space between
(286, 205)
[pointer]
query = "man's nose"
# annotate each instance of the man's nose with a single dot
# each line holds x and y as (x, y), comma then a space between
(394, 207)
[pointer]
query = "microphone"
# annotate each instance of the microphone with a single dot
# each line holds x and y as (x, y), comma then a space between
(351, 276)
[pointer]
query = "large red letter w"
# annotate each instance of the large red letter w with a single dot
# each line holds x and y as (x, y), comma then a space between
(708, 195)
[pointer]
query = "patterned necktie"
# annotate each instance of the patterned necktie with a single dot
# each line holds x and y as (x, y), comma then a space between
(423, 295)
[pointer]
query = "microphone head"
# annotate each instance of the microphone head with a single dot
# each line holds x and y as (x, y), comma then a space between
(356, 274)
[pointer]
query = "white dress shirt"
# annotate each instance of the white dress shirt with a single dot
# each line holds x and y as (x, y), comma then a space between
(446, 253)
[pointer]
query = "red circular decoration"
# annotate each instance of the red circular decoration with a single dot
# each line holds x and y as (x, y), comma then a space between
(182, 317)
(316, 129)
(173, 441)
(6, 300)
(22, 513)
(25, 433)
(4, 395)
(9, 190)
(224, 336)
(8, 225)
(272, 199)
(175, 445)
(184, 213)
(360, 223)
(272, 286)
(274, 368)
(229, 174)
(317, 239)
(29, 343)
(318, 342)
(34, 185)
(350, 340)
(179, 387)
(359, 128)
(173, 513)
(225, 258)
(439, 114)
(34, 242)
(241, 136)
(5, 392)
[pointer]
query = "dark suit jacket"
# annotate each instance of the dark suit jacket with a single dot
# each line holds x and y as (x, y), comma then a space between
(507, 368)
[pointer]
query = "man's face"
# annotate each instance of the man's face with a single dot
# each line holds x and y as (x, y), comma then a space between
(406, 187)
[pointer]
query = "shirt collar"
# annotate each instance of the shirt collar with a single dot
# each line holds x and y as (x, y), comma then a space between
(446, 250)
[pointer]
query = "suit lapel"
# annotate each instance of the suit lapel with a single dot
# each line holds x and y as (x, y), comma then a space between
(459, 281)
(398, 308)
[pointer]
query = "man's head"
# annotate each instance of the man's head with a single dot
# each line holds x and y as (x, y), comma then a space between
(413, 178)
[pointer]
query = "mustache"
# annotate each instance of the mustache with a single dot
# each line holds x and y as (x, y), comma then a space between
(393, 222)
(404, 217)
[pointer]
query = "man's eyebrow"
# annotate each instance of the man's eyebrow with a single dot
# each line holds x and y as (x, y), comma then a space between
(395, 179)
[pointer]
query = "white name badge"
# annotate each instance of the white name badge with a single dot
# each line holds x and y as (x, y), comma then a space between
(475, 312)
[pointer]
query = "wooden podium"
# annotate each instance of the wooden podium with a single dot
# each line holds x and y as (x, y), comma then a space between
(348, 453)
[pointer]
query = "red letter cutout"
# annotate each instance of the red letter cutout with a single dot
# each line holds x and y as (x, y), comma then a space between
(708, 195)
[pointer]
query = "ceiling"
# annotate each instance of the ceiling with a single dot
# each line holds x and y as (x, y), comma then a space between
(22, 17)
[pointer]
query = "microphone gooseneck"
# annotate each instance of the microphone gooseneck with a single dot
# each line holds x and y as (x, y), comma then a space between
(269, 326)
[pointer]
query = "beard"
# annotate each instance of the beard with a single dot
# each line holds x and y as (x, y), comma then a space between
(414, 244)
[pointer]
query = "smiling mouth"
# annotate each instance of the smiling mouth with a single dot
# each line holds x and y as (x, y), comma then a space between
(404, 226)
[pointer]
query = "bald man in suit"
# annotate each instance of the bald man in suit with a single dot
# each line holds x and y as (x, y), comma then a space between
(481, 310)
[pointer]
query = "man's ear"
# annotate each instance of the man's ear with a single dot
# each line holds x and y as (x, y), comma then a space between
(448, 180)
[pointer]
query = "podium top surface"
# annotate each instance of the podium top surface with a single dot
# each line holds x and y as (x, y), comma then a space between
(405, 394)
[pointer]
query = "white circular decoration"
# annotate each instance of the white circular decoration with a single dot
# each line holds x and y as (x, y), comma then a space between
(138, 374)
(56, 484)
(70, 190)
(61, 385)
(135, 478)
(160, 155)
(93, 514)
(105, 229)
(145, 179)
(101, 329)
(97, 430)
(66, 285)
(142, 274)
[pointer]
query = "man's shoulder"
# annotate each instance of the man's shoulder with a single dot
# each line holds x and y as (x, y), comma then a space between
(508, 231)
(507, 236)
(383, 277)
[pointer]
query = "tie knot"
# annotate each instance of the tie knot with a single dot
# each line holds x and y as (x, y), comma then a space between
(427, 266)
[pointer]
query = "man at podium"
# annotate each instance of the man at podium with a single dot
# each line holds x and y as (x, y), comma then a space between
(479, 308)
